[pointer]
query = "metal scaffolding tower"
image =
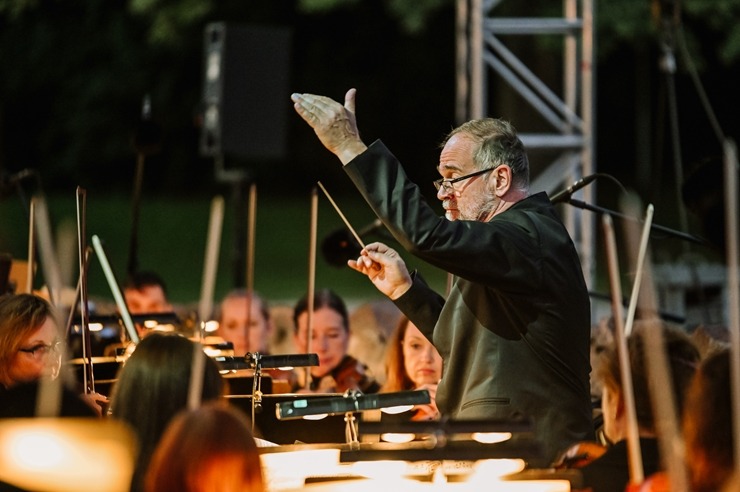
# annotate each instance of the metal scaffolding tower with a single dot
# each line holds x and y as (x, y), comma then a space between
(481, 51)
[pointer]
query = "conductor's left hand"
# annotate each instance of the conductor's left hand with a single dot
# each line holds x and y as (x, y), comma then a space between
(334, 124)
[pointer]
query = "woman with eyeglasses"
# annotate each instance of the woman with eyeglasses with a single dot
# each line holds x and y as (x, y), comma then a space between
(29, 351)
(28, 340)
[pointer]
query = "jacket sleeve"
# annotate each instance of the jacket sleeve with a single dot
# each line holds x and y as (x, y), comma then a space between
(498, 253)
(422, 305)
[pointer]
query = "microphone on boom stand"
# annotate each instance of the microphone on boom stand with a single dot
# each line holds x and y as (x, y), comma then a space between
(564, 195)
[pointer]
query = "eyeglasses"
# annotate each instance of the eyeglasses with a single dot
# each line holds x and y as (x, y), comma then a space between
(448, 184)
(40, 350)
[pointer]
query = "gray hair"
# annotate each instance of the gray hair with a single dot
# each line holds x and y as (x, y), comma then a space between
(498, 144)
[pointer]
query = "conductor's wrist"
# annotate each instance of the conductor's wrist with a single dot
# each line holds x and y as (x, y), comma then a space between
(400, 290)
(349, 150)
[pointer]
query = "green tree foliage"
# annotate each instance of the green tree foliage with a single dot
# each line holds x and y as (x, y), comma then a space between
(75, 71)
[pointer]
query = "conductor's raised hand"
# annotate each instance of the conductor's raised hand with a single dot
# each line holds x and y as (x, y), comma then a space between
(335, 125)
(385, 269)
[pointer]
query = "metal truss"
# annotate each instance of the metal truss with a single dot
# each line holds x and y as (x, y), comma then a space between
(481, 51)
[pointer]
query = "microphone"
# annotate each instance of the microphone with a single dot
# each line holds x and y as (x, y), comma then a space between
(564, 195)
(339, 246)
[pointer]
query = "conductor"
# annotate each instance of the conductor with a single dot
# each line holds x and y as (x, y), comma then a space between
(514, 329)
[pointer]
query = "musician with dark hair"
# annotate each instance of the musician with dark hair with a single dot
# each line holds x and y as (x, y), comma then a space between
(154, 385)
(337, 371)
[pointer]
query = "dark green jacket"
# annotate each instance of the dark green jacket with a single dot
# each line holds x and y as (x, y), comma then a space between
(514, 331)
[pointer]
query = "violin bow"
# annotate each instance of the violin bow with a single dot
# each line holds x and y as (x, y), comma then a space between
(658, 375)
(49, 261)
(115, 289)
(639, 267)
(634, 454)
(251, 239)
(733, 280)
(205, 305)
(210, 263)
(31, 246)
(82, 256)
(313, 234)
(48, 401)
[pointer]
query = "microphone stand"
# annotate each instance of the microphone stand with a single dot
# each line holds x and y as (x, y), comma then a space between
(654, 227)
(146, 142)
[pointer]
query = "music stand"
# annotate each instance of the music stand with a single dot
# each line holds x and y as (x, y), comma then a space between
(257, 362)
(348, 404)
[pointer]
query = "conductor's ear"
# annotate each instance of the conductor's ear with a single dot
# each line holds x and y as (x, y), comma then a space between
(502, 176)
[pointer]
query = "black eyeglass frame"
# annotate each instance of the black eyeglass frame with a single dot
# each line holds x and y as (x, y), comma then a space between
(439, 183)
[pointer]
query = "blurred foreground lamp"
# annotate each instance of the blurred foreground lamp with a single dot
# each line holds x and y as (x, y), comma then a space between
(67, 455)
(348, 404)
(459, 439)
(473, 451)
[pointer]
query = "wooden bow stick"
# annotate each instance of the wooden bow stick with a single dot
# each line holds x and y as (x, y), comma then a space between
(733, 281)
(663, 402)
(634, 454)
(313, 234)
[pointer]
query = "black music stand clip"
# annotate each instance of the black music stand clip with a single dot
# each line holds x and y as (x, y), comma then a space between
(257, 362)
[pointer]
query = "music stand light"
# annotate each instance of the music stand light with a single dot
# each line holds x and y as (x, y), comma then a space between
(348, 404)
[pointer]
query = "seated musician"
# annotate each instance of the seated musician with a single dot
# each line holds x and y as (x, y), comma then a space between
(707, 421)
(244, 320)
(30, 350)
(707, 424)
(153, 386)
(607, 467)
(412, 363)
(337, 371)
(145, 292)
(210, 448)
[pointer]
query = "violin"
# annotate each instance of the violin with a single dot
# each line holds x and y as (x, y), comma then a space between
(657, 482)
(350, 374)
(579, 455)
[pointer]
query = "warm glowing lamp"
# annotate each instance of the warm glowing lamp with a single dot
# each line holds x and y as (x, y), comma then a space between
(67, 454)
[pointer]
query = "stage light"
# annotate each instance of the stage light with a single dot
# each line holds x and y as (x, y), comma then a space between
(491, 437)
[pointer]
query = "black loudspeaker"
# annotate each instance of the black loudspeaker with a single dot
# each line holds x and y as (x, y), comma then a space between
(246, 102)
